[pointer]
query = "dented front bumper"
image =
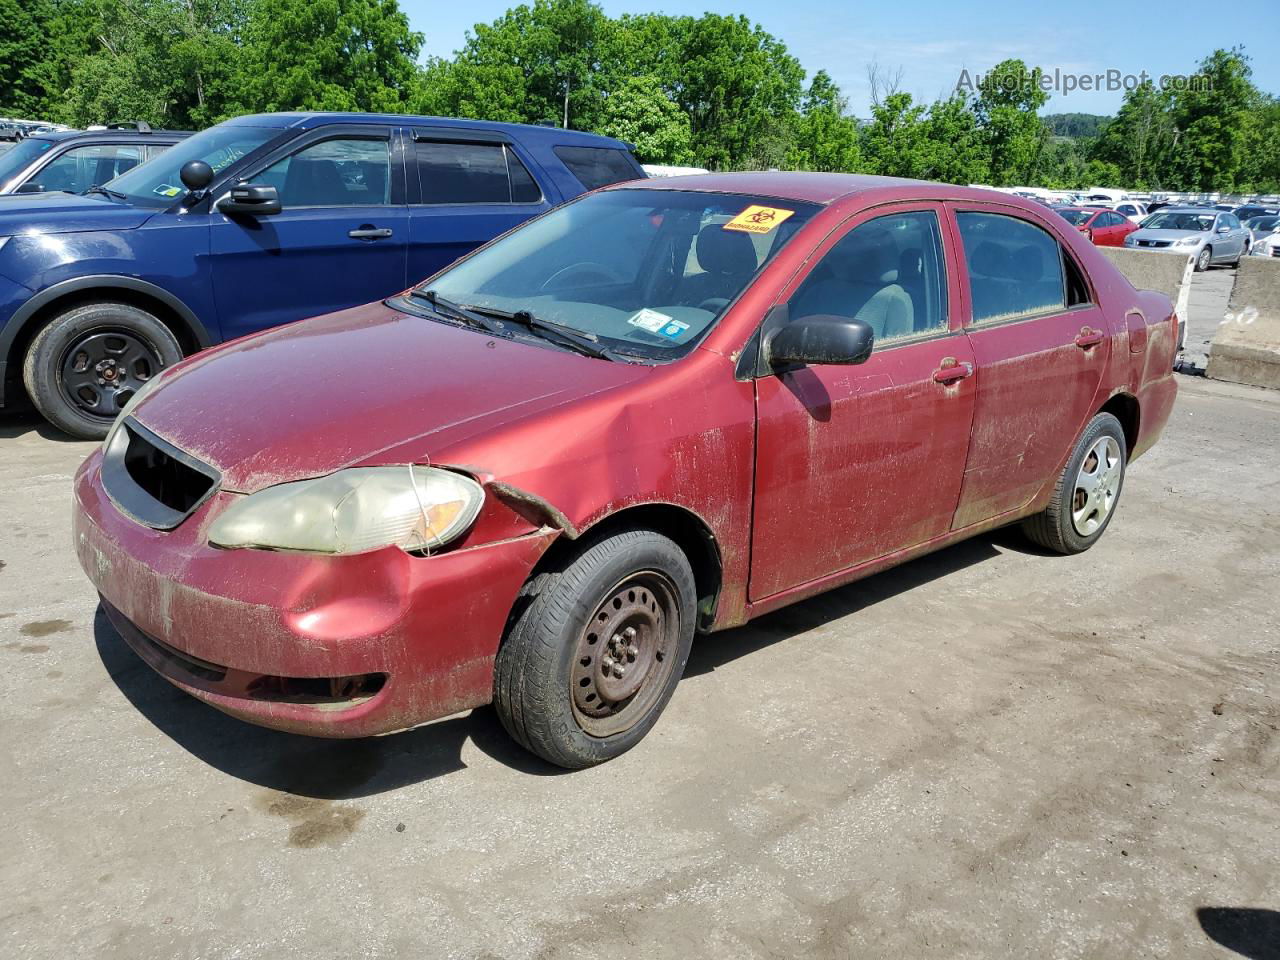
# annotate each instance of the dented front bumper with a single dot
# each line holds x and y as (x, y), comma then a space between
(328, 646)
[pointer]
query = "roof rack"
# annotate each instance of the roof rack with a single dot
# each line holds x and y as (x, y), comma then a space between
(141, 126)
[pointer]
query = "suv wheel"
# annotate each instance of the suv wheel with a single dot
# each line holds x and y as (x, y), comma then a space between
(83, 367)
(592, 660)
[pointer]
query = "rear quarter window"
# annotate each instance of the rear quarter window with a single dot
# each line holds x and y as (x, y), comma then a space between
(598, 166)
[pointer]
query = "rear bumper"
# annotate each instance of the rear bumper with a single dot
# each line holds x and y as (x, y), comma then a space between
(398, 640)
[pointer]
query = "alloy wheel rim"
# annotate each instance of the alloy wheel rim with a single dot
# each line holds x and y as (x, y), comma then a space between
(1097, 486)
(625, 654)
(102, 369)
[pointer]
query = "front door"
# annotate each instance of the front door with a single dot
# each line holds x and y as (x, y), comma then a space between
(856, 462)
(340, 240)
(1041, 345)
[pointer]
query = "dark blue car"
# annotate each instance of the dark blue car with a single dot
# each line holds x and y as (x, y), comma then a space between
(256, 222)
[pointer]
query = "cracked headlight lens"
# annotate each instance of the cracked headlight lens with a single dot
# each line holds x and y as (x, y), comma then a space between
(353, 511)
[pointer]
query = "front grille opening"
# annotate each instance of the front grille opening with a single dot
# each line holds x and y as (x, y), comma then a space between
(168, 480)
(343, 690)
(183, 662)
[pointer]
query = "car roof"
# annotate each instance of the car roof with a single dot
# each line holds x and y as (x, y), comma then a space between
(526, 132)
(827, 188)
(115, 136)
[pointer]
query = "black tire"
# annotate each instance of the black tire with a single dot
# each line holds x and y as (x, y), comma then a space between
(134, 346)
(1054, 528)
(550, 649)
(1204, 259)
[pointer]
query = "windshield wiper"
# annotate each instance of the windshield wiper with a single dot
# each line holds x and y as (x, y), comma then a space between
(587, 344)
(112, 194)
(455, 310)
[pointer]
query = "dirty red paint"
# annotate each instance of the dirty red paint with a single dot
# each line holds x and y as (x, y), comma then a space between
(803, 481)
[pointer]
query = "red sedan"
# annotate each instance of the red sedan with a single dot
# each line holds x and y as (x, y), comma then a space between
(1104, 228)
(662, 409)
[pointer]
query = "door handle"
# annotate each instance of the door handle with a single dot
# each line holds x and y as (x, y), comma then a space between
(952, 370)
(369, 232)
(1088, 337)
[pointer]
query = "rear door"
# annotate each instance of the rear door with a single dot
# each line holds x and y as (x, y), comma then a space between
(465, 188)
(856, 462)
(1040, 344)
(340, 240)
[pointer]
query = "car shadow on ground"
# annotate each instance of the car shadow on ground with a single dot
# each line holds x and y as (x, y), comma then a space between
(1251, 933)
(348, 769)
(23, 421)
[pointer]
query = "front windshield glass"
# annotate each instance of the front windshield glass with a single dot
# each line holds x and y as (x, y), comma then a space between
(14, 161)
(1076, 217)
(1180, 221)
(646, 272)
(1262, 223)
(157, 182)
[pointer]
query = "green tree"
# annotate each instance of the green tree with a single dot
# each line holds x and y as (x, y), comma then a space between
(825, 138)
(23, 37)
(1140, 140)
(329, 55)
(1211, 119)
(641, 113)
(1006, 107)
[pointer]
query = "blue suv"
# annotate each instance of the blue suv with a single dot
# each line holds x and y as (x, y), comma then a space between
(256, 222)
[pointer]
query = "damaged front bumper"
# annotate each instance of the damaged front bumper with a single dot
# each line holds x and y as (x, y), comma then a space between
(331, 646)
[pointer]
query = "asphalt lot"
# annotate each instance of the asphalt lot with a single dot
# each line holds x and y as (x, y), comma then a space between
(989, 752)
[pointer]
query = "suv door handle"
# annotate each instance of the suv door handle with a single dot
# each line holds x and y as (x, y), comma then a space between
(1088, 337)
(369, 232)
(952, 370)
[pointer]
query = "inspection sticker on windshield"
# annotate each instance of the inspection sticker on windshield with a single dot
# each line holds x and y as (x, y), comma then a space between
(673, 329)
(650, 320)
(758, 219)
(164, 190)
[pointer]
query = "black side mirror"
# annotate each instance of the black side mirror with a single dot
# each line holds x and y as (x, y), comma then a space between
(30, 188)
(251, 200)
(196, 175)
(820, 340)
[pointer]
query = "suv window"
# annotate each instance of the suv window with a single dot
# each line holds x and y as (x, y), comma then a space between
(1015, 267)
(887, 271)
(83, 167)
(598, 166)
(450, 172)
(343, 172)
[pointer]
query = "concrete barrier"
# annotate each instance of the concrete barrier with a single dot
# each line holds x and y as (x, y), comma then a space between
(1246, 348)
(1167, 273)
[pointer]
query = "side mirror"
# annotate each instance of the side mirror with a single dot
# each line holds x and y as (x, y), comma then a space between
(820, 340)
(196, 175)
(251, 200)
(30, 188)
(1224, 229)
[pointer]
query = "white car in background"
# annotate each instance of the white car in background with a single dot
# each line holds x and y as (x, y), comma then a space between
(1268, 246)
(1135, 211)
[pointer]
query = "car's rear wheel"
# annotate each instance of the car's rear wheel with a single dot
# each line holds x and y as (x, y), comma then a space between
(1203, 259)
(82, 368)
(596, 653)
(1087, 492)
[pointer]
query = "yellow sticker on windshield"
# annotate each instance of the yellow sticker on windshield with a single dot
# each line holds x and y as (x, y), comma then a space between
(758, 219)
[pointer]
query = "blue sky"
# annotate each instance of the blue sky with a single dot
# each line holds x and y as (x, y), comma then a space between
(933, 41)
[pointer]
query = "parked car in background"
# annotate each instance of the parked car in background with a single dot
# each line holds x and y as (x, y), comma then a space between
(1104, 227)
(1261, 227)
(1209, 235)
(1251, 210)
(256, 222)
(1268, 246)
(75, 160)
(1133, 210)
(662, 408)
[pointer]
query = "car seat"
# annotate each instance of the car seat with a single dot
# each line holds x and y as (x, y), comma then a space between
(311, 183)
(728, 260)
(859, 279)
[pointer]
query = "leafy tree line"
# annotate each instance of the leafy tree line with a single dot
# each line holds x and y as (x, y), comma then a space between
(715, 90)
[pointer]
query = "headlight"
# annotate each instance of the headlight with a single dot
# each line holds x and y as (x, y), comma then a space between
(1129, 241)
(129, 407)
(352, 511)
(1188, 241)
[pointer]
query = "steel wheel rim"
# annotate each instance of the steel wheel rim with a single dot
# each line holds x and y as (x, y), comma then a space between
(625, 654)
(1097, 486)
(103, 368)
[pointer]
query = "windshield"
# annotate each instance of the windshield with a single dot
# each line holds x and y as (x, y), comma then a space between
(14, 161)
(157, 183)
(1180, 221)
(1076, 217)
(645, 271)
(1262, 223)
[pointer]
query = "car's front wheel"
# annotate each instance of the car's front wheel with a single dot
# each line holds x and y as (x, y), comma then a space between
(85, 364)
(596, 653)
(1088, 489)
(1203, 259)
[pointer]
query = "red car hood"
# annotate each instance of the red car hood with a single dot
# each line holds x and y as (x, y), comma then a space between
(364, 386)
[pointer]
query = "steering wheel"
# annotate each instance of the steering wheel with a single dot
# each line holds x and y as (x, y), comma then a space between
(584, 271)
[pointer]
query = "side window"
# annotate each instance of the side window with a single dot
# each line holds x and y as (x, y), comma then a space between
(1015, 267)
(1231, 221)
(887, 271)
(598, 166)
(473, 173)
(83, 167)
(1115, 220)
(333, 173)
